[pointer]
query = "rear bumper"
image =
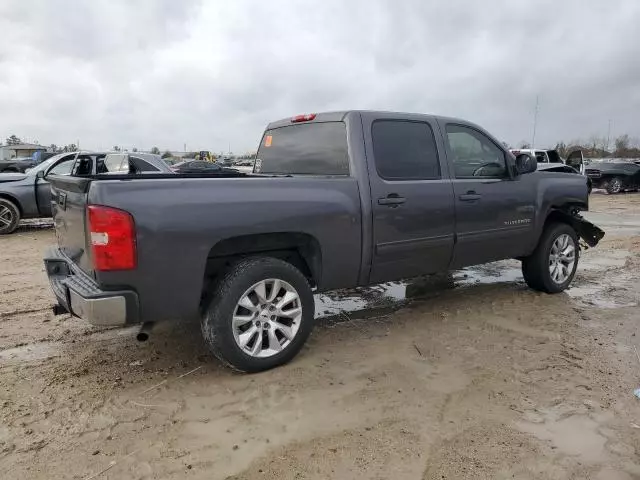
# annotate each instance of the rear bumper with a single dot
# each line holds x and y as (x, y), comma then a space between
(79, 294)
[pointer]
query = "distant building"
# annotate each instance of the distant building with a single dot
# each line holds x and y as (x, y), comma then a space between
(7, 152)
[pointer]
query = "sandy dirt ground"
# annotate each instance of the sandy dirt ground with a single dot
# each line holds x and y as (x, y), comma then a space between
(474, 377)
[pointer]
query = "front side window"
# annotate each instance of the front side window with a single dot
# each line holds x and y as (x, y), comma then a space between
(541, 157)
(474, 154)
(63, 168)
(405, 150)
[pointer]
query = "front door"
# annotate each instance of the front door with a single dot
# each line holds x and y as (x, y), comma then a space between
(412, 198)
(494, 207)
(43, 188)
(576, 160)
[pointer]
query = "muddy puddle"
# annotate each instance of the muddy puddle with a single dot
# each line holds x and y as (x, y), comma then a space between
(364, 301)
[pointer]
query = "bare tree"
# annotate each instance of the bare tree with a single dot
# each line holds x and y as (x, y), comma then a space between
(13, 140)
(524, 144)
(116, 148)
(155, 150)
(622, 143)
(562, 149)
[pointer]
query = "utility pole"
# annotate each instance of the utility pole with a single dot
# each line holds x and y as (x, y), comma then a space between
(535, 123)
(185, 147)
(608, 136)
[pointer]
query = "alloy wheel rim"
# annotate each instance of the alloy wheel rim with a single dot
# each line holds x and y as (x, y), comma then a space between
(267, 318)
(6, 216)
(562, 258)
(616, 185)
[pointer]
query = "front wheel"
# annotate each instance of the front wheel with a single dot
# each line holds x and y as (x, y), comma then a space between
(260, 316)
(615, 185)
(553, 264)
(9, 216)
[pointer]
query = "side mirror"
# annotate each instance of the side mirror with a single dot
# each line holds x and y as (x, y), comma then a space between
(526, 164)
(40, 174)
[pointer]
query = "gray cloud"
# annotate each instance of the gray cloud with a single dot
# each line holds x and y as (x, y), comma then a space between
(209, 73)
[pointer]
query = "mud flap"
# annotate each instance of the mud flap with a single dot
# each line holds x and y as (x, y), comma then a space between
(587, 231)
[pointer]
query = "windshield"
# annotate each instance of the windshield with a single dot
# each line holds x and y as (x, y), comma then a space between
(43, 166)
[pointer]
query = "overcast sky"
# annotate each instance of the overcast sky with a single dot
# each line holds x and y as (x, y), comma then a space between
(169, 72)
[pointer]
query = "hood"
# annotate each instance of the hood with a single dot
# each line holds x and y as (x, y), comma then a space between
(12, 177)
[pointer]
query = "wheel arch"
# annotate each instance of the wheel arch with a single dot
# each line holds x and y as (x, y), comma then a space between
(299, 249)
(567, 214)
(12, 199)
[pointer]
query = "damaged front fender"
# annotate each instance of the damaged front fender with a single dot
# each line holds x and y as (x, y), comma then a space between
(586, 230)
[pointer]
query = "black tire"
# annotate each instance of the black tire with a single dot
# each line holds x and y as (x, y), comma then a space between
(10, 216)
(615, 185)
(535, 268)
(216, 323)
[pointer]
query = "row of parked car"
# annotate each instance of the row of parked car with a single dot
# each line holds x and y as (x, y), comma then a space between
(613, 175)
(25, 191)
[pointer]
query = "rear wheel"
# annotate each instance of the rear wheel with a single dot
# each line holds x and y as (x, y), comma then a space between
(9, 216)
(260, 316)
(615, 185)
(553, 264)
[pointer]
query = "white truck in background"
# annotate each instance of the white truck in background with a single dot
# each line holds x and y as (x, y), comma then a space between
(575, 158)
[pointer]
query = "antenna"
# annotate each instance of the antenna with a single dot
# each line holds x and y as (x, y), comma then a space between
(535, 123)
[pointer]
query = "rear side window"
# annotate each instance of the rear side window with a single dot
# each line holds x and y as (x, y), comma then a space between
(142, 166)
(116, 163)
(305, 149)
(405, 150)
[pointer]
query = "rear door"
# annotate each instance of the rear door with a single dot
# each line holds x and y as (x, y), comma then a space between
(413, 211)
(494, 208)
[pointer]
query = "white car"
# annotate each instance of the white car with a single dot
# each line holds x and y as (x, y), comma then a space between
(575, 158)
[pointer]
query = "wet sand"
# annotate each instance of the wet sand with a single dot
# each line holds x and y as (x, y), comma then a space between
(468, 375)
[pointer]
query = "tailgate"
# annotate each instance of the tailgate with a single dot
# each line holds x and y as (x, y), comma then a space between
(69, 201)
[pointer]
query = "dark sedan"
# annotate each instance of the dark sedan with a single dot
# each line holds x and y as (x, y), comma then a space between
(17, 165)
(614, 177)
(199, 166)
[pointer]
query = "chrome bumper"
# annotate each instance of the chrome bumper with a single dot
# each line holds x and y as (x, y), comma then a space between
(78, 294)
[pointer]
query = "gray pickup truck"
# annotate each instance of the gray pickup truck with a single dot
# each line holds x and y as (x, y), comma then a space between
(335, 200)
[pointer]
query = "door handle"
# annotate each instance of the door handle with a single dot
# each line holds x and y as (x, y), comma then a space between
(393, 199)
(470, 196)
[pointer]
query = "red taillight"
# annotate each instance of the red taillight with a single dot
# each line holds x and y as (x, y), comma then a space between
(113, 238)
(303, 118)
